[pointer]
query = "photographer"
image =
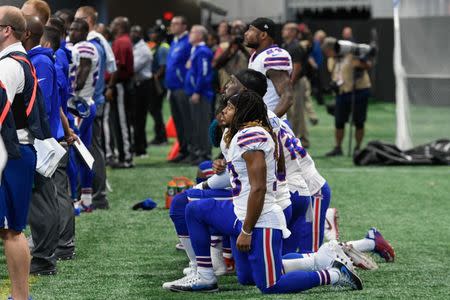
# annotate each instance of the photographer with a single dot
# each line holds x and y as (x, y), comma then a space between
(351, 83)
(231, 57)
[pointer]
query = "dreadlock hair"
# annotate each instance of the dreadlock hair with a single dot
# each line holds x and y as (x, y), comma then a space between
(250, 111)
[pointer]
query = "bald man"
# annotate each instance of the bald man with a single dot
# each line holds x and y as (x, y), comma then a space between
(38, 8)
(31, 122)
(43, 215)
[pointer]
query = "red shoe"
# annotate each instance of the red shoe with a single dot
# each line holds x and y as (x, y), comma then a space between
(382, 247)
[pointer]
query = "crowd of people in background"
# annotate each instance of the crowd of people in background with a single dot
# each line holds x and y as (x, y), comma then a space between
(69, 78)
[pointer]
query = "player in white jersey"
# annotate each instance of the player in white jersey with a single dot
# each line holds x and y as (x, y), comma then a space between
(83, 77)
(273, 62)
(253, 220)
(85, 60)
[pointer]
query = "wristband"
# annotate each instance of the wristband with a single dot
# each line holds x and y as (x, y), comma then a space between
(246, 233)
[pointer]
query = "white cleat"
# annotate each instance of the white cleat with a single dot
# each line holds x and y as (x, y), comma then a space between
(359, 259)
(195, 283)
(331, 224)
(168, 285)
(330, 252)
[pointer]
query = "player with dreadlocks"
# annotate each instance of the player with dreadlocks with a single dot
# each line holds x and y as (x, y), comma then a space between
(253, 220)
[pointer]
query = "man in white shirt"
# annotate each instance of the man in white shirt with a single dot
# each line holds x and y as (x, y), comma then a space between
(142, 77)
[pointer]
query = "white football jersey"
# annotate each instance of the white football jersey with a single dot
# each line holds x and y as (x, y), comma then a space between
(307, 167)
(295, 181)
(87, 50)
(273, 58)
(254, 139)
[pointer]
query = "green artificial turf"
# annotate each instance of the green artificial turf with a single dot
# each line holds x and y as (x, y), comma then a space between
(123, 254)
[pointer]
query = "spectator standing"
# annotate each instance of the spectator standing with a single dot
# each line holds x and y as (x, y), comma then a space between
(198, 86)
(231, 56)
(318, 66)
(349, 73)
(297, 112)
(120, 86)
(179, 53)
(160, 51)
(142, 79)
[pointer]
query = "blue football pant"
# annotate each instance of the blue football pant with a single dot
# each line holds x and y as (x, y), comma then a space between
(78, 172)
(301, 231)
(262, 265)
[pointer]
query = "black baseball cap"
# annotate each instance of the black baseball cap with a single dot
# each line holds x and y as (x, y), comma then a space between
(266, 25)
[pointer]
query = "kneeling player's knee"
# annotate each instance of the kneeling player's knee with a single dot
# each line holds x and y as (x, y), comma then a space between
(178, 205)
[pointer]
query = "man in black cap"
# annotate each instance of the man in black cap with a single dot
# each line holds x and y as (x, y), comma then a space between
(272, 61)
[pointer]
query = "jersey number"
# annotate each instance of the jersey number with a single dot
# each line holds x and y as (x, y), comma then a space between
(236, 183)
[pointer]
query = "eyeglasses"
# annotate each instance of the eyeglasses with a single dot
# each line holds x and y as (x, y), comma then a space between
(4, 26)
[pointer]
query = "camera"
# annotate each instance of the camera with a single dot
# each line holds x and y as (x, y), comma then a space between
(342, 47)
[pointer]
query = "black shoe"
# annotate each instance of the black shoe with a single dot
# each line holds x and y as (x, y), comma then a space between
(68, 256)
(42, 272)
(179, 158)
(337, 151)
(314, 122)
(189, 159)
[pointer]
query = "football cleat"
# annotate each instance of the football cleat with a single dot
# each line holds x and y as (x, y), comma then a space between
(190, 269)
(229, 262)
(328, 253)
(86, 208)
(168, 285)
(196, 283)
(331, 224)
(358, 258)
(382, 247)
(347, 277)
(179, 247)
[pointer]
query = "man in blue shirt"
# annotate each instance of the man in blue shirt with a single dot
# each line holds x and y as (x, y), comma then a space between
(179, 53)
(198, 87)
(43, 214)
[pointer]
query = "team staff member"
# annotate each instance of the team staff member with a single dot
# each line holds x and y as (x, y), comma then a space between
(43, 216)
(142, 78)
(352, 80)
(107, 62)
(30, 120)
(120, 82)
(179, 53)
(198, 86)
